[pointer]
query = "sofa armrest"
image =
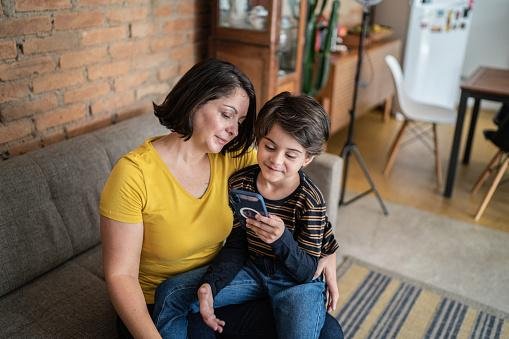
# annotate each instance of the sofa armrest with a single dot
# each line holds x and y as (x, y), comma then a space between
(326, 172)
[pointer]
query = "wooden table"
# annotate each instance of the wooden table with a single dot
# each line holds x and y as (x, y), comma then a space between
(486, 83)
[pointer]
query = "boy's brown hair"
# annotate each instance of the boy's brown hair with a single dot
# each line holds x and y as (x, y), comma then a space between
(301, 116)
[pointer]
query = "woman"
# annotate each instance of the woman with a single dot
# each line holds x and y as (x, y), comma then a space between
(164, 209)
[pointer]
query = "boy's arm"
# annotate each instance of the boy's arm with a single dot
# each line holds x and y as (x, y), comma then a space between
(329, 243)
(299, 264)
(229, 260)
(314, 238)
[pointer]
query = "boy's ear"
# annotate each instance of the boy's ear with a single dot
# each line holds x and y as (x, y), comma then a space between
(308, 159)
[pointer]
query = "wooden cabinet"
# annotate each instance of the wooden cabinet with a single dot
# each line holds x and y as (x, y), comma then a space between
(265, 39)
(376, 84)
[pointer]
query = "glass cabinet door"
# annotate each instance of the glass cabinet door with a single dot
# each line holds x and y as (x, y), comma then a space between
(288, 36)
(244, 14)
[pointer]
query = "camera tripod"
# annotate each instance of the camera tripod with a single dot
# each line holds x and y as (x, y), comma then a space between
(350, 147)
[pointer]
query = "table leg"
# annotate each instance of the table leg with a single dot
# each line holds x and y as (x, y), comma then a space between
(453, 157)
(471, 130)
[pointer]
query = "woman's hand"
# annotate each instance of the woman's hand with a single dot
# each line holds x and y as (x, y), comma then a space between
(327, 265)
(268, 229)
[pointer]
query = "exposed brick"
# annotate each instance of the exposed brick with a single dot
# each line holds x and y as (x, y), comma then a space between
(131, 80)
(83, 57)
(55, 42)
(123, 50)
(15, 130)
(25, 108)
(183, 52)
(104, 35)
(165, 73)
(167, 42)
(108, 70)
(13, 90)
(26, 67)
(26, 25)
(41, 5)
(127, 14)
(140, 107)
(53, 136)
(164, 10)
(23, 146)
(142, 29)
(87, 92)
(137, 2)
(150, 60)
(53, 81)
(186, 65)
(160, 88)
(178, 25)
(7, 49)
(185, 8)
(82, 19)
(113, 102)
(59, 116)
(98, 2)
(89, 124)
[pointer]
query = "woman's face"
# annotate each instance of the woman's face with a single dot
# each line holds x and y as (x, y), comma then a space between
(217, 122)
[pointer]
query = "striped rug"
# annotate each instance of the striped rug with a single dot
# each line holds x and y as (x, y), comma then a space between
(375, 303)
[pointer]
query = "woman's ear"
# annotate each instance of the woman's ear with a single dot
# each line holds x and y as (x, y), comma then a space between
(308, 159)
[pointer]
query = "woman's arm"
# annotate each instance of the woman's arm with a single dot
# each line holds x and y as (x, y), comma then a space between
(327, 265)
(121, 250)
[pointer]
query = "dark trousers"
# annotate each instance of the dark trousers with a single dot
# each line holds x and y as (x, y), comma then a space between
(246, 321)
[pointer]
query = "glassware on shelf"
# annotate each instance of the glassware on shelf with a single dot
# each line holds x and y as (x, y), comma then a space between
(243, 14)
(288, 31)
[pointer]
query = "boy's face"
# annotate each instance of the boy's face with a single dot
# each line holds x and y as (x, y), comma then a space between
(281, 157)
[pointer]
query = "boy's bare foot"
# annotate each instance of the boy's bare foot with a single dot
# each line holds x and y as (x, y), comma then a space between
(207, 308)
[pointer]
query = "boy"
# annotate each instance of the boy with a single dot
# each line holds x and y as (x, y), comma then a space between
(266, 256)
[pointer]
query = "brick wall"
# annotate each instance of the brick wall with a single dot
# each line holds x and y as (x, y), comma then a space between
(70, 66)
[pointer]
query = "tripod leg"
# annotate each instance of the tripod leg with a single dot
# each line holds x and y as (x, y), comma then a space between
(368, 177)
(345, 154)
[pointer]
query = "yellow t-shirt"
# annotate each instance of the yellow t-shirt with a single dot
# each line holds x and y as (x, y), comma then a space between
(180, 232)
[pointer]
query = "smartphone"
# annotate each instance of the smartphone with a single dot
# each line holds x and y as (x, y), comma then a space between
(248, 204)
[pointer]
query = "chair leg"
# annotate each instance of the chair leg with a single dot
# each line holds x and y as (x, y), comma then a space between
(394, 149)
(492, 189)
(438, 165)
(487, 172)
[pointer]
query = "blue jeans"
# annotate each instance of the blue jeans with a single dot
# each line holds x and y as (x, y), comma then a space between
(299, 309)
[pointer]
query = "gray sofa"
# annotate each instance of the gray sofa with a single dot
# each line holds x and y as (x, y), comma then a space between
(51, 279)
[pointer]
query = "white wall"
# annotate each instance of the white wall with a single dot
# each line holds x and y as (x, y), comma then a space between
(488, 40)
(394, 13)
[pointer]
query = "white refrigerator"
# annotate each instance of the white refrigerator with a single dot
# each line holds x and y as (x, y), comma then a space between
(435, 49)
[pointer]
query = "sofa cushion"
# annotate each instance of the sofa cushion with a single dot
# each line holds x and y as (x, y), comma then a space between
(33, 237)
(68, 302)
(75, 172)
(91, 260)
(132, 134)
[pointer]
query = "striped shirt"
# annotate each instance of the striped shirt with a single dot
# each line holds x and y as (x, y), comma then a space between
(303, 212)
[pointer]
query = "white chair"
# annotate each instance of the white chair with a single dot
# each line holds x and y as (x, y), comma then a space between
(416, 114)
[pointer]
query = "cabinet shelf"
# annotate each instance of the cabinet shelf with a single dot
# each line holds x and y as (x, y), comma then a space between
(261, 53)
(376, 85)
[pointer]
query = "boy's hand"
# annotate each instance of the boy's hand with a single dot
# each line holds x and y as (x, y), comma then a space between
(327, 265)
(207, 308)
(268, 229)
